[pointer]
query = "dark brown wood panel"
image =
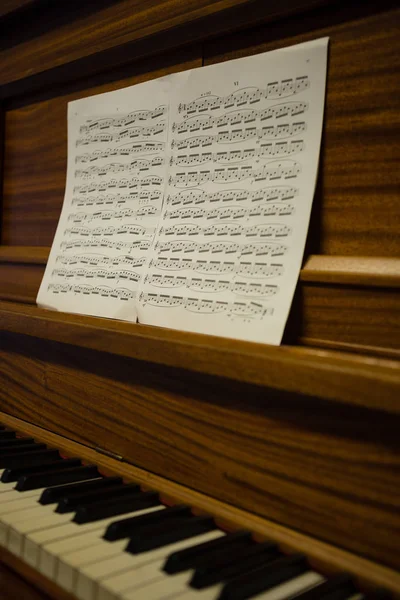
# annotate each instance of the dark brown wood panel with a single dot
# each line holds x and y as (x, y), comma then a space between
(340, 377)
(36, 154)
(356, 210)
(10, 6)
(324, 469)
(20, 282)
(164, 23)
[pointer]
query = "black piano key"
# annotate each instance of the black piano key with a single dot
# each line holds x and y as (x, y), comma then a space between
(337, 588)
(264, 577)
(54, 494)
(7, 435)
(15, 474)
(15, 443)
(40, 457)
(155, 536)
(56, 477)
(193, 557)
(115, 506)
(23, 449)
(71, 503)
(126, 527)
(237, 562)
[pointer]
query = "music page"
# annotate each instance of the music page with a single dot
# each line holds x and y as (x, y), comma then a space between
(243, 158)
(188, 197)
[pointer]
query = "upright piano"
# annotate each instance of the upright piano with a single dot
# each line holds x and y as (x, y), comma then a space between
(293, 450)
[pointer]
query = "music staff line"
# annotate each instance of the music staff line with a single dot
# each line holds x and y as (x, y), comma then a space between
(142, 197)
(107, 215)
(133, 132)
(225, 247)
(229, 229)
(218, 267)
(124, 121)
(141, 245)
(101, 259)
(231, 212)
(121, 229)
(125, 150)
(195, 197)
(240, 117)
(88, 290)
(275, 170)
(133, 183)
(248, 309)
(213, 286)
(100, 273)
(244, 96)
(241, 135)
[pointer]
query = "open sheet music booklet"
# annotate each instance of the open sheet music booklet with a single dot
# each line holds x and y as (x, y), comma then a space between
(188, 197)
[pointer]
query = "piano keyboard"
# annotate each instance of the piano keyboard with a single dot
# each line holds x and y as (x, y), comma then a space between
(100, 538)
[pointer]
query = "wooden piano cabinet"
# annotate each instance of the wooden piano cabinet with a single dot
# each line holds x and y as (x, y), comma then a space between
(300, 442)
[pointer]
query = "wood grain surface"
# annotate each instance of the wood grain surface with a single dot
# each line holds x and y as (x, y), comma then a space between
(356, 207)
(347, 378)
(15, 587)
(10, 6)
(321, 468)
(118, 31)
(323, 557)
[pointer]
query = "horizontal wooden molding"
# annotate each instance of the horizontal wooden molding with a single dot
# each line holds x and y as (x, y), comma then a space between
(363, 381)
(351, 270)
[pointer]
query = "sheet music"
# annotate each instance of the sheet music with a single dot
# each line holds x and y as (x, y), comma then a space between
(114, 192)
(244, 148)
(188, 197)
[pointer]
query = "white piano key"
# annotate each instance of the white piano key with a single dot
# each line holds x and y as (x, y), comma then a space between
(16, 501)
(73, 539)
(18, 530)
(153, 588)
(6, 487)
(95, 572)
(356, 597)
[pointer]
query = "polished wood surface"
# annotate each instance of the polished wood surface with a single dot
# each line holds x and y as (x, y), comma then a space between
(10, 6)
(13, 586)
(323, 557)
(293, 458)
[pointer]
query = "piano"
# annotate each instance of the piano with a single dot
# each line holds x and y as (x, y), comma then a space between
(145, 463)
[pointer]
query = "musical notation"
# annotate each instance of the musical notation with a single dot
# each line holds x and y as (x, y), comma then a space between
(195, 197)
(239, 117)
(201, 305)
(244, 96)
(231, 248)
(231, 212)
(218, 267)
(271, 171)
(274, 149)
(239, 288)
(99, 273)
(88, 290)
(103, 243)
(126, 150)
(108, 215)
(116, 168)
(101, 259)
(133, 132)
(142, 197)
(121, 229)
(135, 182)
(123, 121)
(284, 130)
(228, 229)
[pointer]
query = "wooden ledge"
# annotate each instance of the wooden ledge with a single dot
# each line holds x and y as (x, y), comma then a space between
(363, 381)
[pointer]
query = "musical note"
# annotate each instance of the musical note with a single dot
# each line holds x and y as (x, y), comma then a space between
(99, 273)
(142, 197)
(132, 132)
(244, 288)
(123, 121)
(94, 171)
(240, 117)
(228, 229)
(132, 183)
(108, 215)
(251, 95)
(105, 291)
(231, 248)
(231, 212)
(217, 267)
(122, 229)
(103, 243)
(100, 259)
(195, 196)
